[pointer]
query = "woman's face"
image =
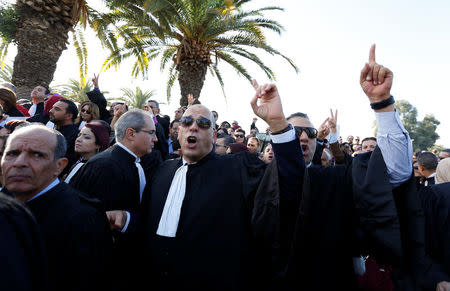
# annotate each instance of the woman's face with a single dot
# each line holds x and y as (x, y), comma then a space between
(85, 142)
(86, 113)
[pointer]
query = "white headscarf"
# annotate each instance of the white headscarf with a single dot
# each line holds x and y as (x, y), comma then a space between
(443, 171)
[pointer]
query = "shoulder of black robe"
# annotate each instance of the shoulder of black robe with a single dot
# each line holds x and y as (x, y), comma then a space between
(317, 158)
(324, 240)
(110, 176)
(161, 145)
(436, 205)
(14, 112)
(41, 118)
(77, 237)
(214, 222)
(375, 207)
(393, 219)
(23, 265)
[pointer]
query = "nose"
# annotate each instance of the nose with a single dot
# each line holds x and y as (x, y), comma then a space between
(20, 161)
(155, 139)
(304, 137)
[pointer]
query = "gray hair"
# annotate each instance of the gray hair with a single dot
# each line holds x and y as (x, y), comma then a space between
(61, 145)
(134, 118)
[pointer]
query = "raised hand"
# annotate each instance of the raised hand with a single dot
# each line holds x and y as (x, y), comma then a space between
(119, 109)
(332, 121)
(324, 130)
(95, 80)
(191, 100)
(376, 80)
(269, 108)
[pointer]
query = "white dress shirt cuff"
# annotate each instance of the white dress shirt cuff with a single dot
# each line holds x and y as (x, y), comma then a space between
(124, 229)
(333, 137)
(283, 137)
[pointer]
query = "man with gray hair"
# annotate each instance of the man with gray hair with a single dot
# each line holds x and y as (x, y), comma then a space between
(75, 229)
(117, 178)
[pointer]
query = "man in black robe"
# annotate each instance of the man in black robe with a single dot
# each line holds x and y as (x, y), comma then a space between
(312, 234)
(63, 115)
(77, 238)
(114, 177)
(23, 264)
(196, 232)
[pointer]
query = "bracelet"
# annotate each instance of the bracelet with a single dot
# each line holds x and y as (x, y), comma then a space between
(382, 104)
(286, 129)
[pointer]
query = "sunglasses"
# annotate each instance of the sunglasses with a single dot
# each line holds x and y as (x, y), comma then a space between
(239, 135)
(85, 111)
(202, 122)
(311, 132)
(415, 167)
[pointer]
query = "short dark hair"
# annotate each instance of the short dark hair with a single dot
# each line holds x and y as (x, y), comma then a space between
(240, 130)
(71, 108)
(213, 111)
(227, 140)
(428, 160)
(154, 101)
(173, 121)
(298, 114)
(446, 151)
(369, 138)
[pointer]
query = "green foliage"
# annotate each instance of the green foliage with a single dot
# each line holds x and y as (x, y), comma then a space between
(82, 54)
(6, 72)
(136, 98)
(8, 19)
(423, 133)
(202, 31)
(74, 90)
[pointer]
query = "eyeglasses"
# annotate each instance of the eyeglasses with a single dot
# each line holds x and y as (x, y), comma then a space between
(150, 132)
(311, 132)
(202, 122)
(85, 111)
(220, 145)
(239, 135)
(415, 167)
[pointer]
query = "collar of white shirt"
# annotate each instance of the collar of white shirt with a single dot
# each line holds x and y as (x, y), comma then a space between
(46, 189)
(128, 151)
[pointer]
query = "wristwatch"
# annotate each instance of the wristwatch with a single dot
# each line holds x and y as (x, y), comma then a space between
(286, 129)
(382, 104)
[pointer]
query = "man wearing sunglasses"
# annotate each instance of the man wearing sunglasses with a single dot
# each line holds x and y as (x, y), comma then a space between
(196, 231)
(315, 230)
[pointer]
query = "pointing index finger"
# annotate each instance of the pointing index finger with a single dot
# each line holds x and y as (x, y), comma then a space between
(255, 84)
(372, 54)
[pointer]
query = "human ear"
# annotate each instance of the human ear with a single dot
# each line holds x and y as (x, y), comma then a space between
(60, 165)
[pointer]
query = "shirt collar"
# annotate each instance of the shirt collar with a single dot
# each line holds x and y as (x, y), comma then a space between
(432, 175)
(128, 151)
(46, 189)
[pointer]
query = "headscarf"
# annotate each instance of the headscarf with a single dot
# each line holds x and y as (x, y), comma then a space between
(238, 147)
(443, 171)
(54, 97)
(101, 135)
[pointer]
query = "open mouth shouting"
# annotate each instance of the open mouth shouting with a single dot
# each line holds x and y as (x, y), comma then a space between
(191, 141)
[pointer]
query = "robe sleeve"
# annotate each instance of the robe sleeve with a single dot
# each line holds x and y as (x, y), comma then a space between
(89, 241)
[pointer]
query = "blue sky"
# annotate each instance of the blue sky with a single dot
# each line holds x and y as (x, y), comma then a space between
(329, 41)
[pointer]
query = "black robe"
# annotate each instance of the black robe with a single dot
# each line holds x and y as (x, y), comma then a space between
(23, 264)
(212, 249)
(77, 238)
(70, 133)
(436, 205)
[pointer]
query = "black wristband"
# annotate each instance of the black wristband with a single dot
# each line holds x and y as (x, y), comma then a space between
(382, 104)
(286, 129)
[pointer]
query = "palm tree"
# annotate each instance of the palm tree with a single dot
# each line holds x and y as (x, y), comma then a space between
(41, 35)
(191, 35)
(75, 90)
(6, 72)
(137, 98)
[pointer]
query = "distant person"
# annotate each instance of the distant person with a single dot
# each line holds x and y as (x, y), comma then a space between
(427, 163)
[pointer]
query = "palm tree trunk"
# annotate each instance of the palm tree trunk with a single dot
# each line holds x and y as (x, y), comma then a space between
(40, 38)
(191, 76)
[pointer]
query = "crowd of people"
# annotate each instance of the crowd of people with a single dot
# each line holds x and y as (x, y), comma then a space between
(99, 197)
